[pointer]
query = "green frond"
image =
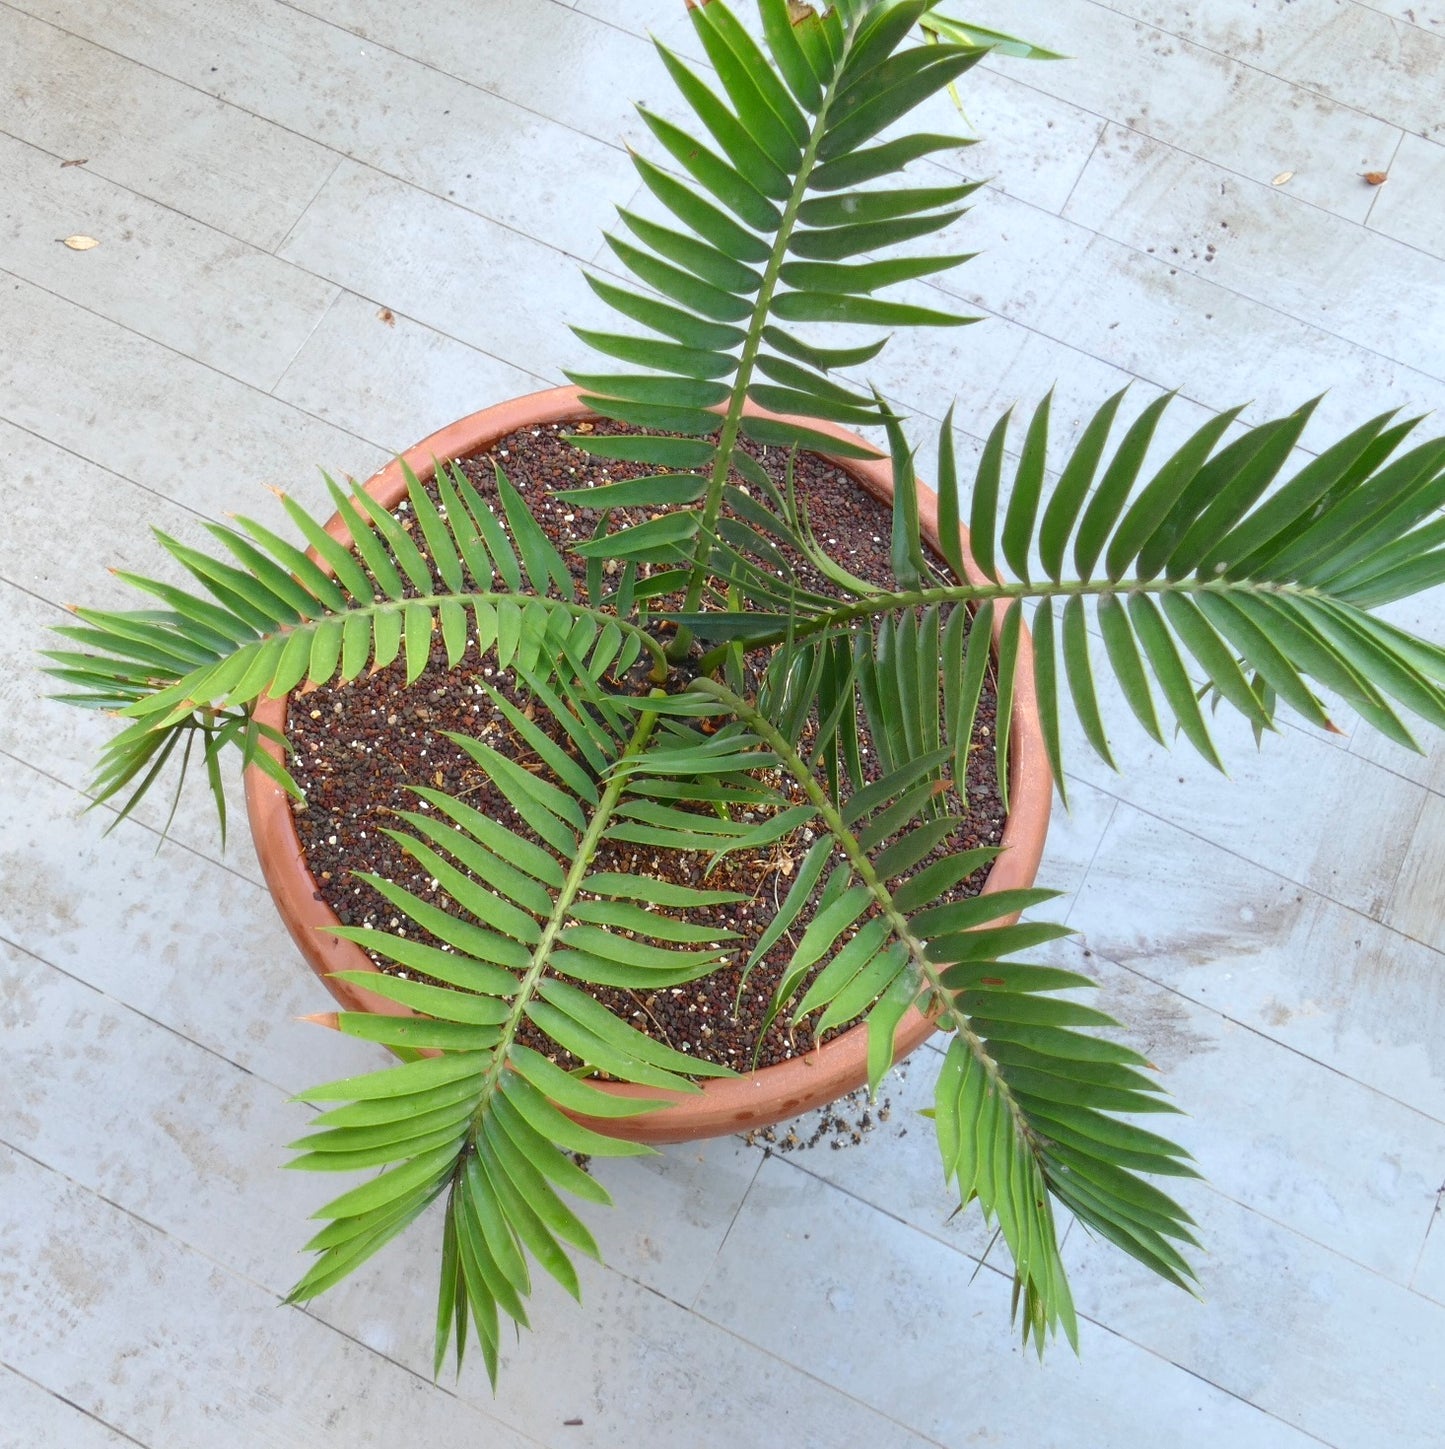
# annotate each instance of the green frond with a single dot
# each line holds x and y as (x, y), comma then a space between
(822, 359)
(779, 434)
(525, 927)
(1202, 574)
(967, 33)
(1028, 1101)
(747, 243)
(1210, 569)
(864, 278)
(1027, 1107)
(873, 163)
(868, 207)
(261, 626)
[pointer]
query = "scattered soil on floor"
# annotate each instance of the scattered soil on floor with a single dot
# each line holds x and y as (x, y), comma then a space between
(361, 747)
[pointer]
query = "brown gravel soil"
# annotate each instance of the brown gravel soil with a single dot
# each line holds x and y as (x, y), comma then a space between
(848, 1122)
(361, 747)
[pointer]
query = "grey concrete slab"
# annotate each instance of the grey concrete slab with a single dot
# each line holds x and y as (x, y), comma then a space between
(392, 380)
(670, 1213)
(1371, 61)
(36, 1416)
(1294, 1140)
(1241, 938)
(193, 1120)
(157, 416)
(1076, 831)
(1029, 145)
(1197, 99)
(1417, 904)
(1428, 16)
(1423, 615)
(410, 265)
(1429, 1277)
(198, 290)
(787, 1280)
(1302, 1034)
(1001, 363)
(173, 935)
(217, 163)
(38, 479)
(1405, 206)
(1206, 220)
(438, 133)
(656, 19)
(1425, 766)
(482, 43)
(1151, 318)
(1294, 778)
(90, 1314)
(1326, 1348)
(629, 1366)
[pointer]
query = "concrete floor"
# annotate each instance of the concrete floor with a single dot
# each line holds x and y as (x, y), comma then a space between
(1181, 206)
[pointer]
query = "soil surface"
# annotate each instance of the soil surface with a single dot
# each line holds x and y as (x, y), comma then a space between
(359, 748)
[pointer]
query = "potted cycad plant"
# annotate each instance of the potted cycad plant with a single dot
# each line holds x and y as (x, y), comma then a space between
(711, 674)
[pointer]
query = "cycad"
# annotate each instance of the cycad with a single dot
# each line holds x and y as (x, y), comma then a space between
(1207, 579)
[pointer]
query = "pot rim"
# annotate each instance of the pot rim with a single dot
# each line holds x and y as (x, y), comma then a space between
(724, 1105)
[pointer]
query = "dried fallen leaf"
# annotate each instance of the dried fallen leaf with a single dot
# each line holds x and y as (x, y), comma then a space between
(80, 243)
(387, 316)
(80, 162)
(1282, 178)
(1376, 178)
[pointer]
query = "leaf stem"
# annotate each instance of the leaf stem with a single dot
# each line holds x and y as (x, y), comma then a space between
(890, 602)
(753, 341)
(148, 704)
(566, 896)
(862, 865)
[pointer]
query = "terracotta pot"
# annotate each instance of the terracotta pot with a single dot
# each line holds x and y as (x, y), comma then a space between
(759, 1098)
